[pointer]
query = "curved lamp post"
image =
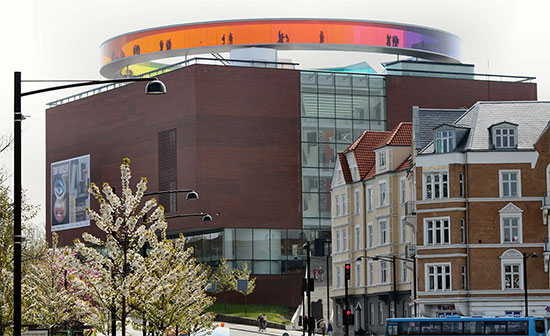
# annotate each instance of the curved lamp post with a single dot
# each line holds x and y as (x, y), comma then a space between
(154, 87)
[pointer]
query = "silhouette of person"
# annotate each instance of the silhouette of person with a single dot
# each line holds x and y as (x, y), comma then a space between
(321, 37)
(169, 44)
(134, 49)
(281, 35)
(388, 40)
(138, 49)
(161, 44)
(113, 56)
(286, 38)
(223, 39)
(230, 38)
(395, 41)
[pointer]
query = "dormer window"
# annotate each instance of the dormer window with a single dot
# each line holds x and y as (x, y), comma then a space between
(505, 137)
(382, 160)
(444, 141)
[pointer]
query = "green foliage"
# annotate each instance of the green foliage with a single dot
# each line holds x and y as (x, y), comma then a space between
(274, 313)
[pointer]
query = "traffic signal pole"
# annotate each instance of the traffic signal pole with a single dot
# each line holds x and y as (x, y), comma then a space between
(347, 272)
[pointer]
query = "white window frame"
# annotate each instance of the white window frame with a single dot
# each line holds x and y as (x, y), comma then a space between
(445, 141)
(337, 241)
(384, 273)
(354, 173)
(511, 258)
(336, 205)
(383, 232)
(443, 185)
(357, 274)
(507, 136)
(402, 190)
(461, 184)
(382, 201)
(403, 230)
(382, 159)
(344, 204)
(357, 200)
(381, 313)
(370, 234)
(404, 270)
(338, 278)
(357, 236)
(369, 199)
(501, 182)
(508, 216)
(435, 274)
(370, 269)
(344, 239)
(435, 231)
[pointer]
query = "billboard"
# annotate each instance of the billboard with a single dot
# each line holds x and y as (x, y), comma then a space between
(70, 181)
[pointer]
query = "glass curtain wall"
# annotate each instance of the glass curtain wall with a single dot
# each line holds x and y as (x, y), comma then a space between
(266, 251)
(336, 109)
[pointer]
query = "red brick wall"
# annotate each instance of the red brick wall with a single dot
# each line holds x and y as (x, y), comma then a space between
(238, 138)
(403, 92)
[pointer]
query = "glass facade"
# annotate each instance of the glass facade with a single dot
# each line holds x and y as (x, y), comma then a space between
(336, 109)
(267, 251)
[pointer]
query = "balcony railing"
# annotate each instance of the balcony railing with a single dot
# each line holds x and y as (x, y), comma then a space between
(410, 208)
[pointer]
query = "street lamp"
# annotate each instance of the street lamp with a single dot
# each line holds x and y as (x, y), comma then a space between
(328, 242)
(154, 87)
(393, 261)
(525, 257)
(306, 247)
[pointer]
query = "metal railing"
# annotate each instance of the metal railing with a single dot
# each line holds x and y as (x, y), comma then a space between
(546, 199)
(175, 66)
(289, 65)
(546, 244)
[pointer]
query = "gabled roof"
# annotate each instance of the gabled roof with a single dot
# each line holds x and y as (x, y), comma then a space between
(401, 135)
(531, 118)
(345, 168)
(405, 164)
(363, 150)
(425, 120)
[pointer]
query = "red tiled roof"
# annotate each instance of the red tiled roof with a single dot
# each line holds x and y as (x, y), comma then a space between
(401, 135)
(345, 167)
(363, 150)
(405, 164)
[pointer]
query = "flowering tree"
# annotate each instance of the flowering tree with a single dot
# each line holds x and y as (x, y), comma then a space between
(54, 300)
(225, 280)
(125, 279)
(174, 295)
(244, 274)
(6, 251)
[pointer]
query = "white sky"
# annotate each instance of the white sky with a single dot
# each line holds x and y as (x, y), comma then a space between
(59, 39)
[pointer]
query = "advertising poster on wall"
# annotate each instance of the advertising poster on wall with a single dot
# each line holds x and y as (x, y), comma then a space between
(70, 181)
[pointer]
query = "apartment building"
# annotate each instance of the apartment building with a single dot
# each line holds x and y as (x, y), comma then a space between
(371, 184)
(479, 183)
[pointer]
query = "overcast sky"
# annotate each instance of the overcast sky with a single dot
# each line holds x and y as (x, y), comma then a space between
(59, 39)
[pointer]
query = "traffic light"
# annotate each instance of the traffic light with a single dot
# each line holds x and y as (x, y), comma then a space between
(347, 271)
(347, 317)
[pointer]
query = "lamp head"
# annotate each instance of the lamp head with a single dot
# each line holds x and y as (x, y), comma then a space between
(206, 218)
(358, 259)
(155, 87)
(192, 195)
(534, 255)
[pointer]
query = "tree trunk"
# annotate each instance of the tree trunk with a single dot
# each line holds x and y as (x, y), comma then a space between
(245, 304)
(123, 315)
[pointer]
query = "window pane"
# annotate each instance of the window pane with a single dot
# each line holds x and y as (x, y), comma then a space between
(409, 328)
(473, 328)
(517, 328)
(243, 244)
(451, 328)
(261, 244)
(495, 328)
(430, 328)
